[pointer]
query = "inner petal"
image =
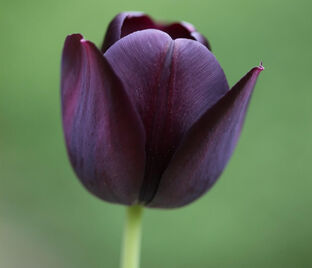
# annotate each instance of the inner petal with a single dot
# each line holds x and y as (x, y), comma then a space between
(144, 22)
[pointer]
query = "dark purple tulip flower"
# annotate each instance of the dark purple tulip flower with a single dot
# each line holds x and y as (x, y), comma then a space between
(149, 119)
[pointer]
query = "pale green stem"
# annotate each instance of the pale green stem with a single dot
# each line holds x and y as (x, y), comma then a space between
(130, 257)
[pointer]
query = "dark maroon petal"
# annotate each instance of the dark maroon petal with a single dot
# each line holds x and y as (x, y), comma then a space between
(207, 147)
(124, 24)
(171, 83)
(184, 30)
(128, 22)
(200, 38)
(104, 135)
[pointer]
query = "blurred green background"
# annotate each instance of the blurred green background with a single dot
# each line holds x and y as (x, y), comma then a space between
(257, 215)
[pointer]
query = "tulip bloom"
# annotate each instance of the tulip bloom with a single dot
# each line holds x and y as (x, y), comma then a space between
(149, 119)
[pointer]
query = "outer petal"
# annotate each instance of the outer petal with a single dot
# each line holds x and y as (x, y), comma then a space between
(172, 83)
(103, 133)
(128, 22)
(207, 147)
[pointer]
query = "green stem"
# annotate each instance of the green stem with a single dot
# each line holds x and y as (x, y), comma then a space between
(130, 257)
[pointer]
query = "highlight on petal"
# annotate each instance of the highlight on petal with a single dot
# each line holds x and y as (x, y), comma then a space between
(128, 22)
(96, 114)
(171, 83)
(206, 148)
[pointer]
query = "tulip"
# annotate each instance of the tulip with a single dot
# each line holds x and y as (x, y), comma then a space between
(149, 119)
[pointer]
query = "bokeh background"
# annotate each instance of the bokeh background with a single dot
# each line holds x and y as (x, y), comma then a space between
(259, 212)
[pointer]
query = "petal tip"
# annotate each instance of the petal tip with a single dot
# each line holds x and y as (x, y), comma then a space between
(87, 44)
(260, 67)
(74, 36)
(255, 71)
(78, 40)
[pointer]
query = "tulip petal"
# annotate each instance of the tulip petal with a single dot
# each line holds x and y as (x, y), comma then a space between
(171, 83)
(184, 30)
(128, 22)
(103, 132)
(206, 148)
(123, 24)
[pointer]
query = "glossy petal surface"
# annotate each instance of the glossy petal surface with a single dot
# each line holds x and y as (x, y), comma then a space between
(104, 134)
(171, 83)
(128, 22)
(207, 147)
